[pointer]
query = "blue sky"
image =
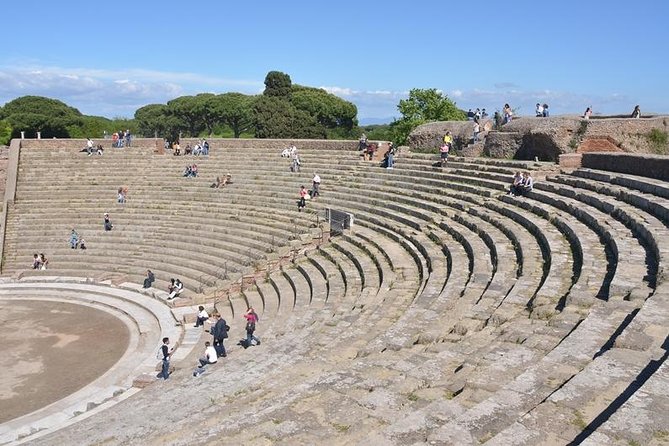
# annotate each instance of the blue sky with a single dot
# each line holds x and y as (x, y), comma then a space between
(110, 58)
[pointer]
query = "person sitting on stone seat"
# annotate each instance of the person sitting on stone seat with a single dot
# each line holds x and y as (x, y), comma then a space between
(188, 150)
(210, 355)
(149, 279)
(82, 244)
(202, 316)
(176, 289)
(43, 261)
(197, 150)
(216, 184)
(515, 185)
(36, 262)
(193, 170)
(100, 149)
(187, 172)
(527, 184)
(176, 149)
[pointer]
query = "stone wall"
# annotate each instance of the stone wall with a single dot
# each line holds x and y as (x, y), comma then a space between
(430, 136)
(548, 138)
(56, 143)
(652, 166)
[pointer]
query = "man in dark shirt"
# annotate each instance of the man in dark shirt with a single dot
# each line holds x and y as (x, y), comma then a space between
(219, 332)
(167, 354)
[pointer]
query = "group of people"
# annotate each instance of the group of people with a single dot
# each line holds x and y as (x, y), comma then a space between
(76, 241)
(215, 348)
(91, 147)
(174, 288)
(522, 184)
(200, 148)
(309, 194)
(40, 261)
(121, 139)
(541, 110)
(477, 114)
(190, 171)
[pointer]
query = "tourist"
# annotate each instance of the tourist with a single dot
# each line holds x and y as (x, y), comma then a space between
(216, 184)
(108, 223)
(188, 150)
(187, 172)
(176, 149)
(251, 321)
(176, 287)
(515, 185)
(477, 130)
(89, 146)
(295, 161)
(205, 147)
(128, 138)
(588, 113)
(545, 110)
(36, 261)
(82, 244)
(166, 353)
(193, 170)
(316, 185)
(210, 355)
(470, 115)
(508, 113)
(303, 197)
(497, 120)
(121, 196)
(149, 279)
(362, 142)
(477, 114)
(219, 332)
(484, 114)
(526, 185)
(285, 153)
(74, 239)
(636, 113)
(389, 157)
(44, 262)
(445, 148)
(539, 112)
(202, 316)
(100, 149)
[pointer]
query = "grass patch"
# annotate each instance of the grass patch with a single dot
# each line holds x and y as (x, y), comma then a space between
(658, 141)
(578, 421)
(341, 427)
(412, 397)
(578, 135)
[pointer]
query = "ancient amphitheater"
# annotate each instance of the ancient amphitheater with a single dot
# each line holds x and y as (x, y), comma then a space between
(449, 314)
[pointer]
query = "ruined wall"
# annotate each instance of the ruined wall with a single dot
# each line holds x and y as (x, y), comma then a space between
(652, 166)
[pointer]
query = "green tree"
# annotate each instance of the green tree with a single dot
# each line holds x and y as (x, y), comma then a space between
(34, 114)
(234, 110)
(330, 111)
(277, 118)
(155, 119)
(190, 110)
(424, 105)
(5, 132)
(277, 84)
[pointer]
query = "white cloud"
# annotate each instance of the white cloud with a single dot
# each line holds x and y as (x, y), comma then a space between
(111, 92)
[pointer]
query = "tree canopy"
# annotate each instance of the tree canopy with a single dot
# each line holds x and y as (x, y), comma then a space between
(424, 105)
(33, 114)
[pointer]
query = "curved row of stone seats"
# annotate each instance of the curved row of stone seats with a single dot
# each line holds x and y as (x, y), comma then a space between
(148, 322)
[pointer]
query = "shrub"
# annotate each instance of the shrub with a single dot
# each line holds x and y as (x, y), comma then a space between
(658, 140)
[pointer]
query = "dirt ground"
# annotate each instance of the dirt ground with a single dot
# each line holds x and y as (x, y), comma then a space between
(50, 350)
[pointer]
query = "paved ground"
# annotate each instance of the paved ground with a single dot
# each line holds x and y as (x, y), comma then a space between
(50, 349)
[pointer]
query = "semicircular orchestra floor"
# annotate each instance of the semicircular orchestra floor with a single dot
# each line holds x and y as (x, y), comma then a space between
(51, 349)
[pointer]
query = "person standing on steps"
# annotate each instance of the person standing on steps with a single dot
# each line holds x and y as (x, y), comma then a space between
(108, 224)
(74, 239)
(445, 148)
(219, 331)
(316, 184)
(477, 130)
(166, 352)
(303, 198)
(251, 320)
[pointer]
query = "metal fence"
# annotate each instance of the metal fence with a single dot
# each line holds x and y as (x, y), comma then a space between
(339, 220)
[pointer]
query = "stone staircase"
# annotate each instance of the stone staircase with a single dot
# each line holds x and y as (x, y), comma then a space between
(451, 314)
